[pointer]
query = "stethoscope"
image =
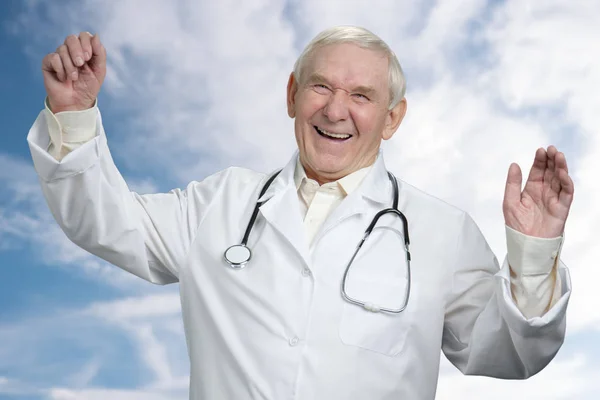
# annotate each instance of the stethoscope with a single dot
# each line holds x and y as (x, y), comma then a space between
(238, 255)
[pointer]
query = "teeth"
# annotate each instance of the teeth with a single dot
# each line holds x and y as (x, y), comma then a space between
(334, 135)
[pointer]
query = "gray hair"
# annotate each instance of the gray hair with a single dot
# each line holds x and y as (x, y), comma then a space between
(365, 39)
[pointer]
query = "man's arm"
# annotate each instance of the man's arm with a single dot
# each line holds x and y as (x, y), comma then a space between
(485, 333)
(147, 235)
(535, 219)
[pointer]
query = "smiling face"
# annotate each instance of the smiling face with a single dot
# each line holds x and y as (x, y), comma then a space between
(341, 110)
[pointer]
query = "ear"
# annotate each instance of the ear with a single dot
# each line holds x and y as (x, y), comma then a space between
(292, 89)
(394, 118)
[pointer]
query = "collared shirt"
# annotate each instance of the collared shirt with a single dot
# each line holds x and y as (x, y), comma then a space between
(317, 202)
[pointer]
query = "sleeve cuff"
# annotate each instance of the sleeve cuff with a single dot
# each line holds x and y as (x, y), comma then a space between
(530, 256)
(535, 325)
(48, 167)
(71, 126)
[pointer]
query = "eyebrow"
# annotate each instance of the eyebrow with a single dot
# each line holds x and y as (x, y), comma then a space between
(318, 78)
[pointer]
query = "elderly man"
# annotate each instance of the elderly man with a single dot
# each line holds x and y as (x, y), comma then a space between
(277, 301)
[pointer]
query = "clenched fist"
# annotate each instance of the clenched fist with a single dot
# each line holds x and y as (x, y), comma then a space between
(74, 73)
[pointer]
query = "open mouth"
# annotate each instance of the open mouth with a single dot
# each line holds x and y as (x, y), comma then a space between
(331, 135)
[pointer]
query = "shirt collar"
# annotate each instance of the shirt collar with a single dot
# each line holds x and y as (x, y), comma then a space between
(348, 183)
(374, 186)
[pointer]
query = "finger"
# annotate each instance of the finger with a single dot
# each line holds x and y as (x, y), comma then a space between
(559, 165)
(538, 169)
(551, 175)
(512, 192)
(85, 39)
(552, 151)
(75, 50)
(560, 161)
(65, 58)
(98, 52)
(551, 157)
(568, 189)
(53, 64)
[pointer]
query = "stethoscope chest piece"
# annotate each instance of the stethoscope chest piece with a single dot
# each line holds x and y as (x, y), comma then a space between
(238, 256)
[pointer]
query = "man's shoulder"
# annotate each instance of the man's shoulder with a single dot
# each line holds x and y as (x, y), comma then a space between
(429, 203)
(241, 174)
(232, 180)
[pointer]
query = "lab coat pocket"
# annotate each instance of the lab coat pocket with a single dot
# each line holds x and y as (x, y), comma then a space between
(380, 332)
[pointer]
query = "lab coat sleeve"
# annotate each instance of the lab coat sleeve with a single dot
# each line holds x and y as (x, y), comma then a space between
(147, 235)
(484, 331)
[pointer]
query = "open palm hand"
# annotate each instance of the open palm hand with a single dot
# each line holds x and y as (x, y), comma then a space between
(541, 209)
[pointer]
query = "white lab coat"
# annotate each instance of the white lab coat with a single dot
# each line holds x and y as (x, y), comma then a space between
(279, 329)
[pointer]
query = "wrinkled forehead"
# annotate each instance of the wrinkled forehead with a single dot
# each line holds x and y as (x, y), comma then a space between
(347, 65)
(350, 67)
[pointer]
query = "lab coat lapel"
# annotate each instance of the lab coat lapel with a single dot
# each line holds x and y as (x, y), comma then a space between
(377, 186)
(374, 191)
(282, 210)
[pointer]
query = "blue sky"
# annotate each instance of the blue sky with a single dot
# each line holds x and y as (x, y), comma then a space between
(22, 93)
(196, 86)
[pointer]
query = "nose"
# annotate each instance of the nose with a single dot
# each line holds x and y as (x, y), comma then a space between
(336, 108)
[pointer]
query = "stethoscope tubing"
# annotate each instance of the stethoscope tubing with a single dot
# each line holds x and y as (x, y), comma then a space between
(243, 247)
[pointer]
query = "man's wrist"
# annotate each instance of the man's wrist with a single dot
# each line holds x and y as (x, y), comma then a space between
(70, 108)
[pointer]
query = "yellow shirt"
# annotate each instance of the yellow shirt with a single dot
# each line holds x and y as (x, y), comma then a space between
(317, 202)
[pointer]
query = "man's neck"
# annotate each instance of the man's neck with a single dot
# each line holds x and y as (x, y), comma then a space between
(322, 179)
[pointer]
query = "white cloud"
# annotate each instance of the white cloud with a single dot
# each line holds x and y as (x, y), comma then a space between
(546, 54)
(103, 394)
(143, 186)
(573, 378)
(25, 222)
(151, 325)
(85, 375)
(131, 308)
(142, 318)
(9, 386)
(154, 325)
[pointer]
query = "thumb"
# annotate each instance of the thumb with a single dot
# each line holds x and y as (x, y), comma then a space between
(512, 193)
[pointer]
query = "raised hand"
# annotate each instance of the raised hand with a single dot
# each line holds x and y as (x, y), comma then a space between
(541, 209)
(74, 73)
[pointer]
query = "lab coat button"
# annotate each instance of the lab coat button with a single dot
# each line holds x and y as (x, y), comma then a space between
(294, 341)
(554, 254)
(306, 272)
